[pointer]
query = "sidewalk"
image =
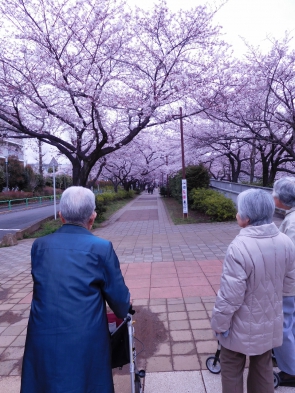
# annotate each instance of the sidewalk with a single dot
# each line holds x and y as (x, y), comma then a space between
(173, 273)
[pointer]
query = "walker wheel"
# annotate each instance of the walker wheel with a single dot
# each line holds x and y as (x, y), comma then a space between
(213, 365)
(137, 384)
(276, 380)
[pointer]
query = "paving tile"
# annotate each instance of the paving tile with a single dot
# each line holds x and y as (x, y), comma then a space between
(177, 316)
(159, 363)
(5, 341)
(187, 362)
(13, 353)
(167, 292)
(13, 330)
(183, 348)
(202, 290)
(193, 281)
(19, 341)
(192, 300)
(181, 335)
(159, 308)
(157, 301)
(195, 307)
(4, 307)
(200, 324)
(163, 349)
(175, 301)
(139, 293)
(203, 334)
(197, 314)
(164, 282)
(137, 283)
(140, 302)
(176, 307)
(206, 346)
(179, 325)
(7, 366)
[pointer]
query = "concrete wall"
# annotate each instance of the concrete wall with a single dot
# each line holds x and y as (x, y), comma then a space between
(232, 190)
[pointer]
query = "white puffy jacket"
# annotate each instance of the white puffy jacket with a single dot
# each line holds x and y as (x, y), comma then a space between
(259, 267)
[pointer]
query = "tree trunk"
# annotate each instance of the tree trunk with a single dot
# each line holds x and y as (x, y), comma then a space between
(252, 163)
(265, 180)
(40, 159)
(80, 173)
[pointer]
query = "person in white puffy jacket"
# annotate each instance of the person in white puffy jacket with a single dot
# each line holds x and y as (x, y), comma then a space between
(259, 267)
(284, 197)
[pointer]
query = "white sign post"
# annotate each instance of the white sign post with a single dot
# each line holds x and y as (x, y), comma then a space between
(53, 163)
(184, 197)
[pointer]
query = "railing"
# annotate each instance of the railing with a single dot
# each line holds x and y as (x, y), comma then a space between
(27, 201)
(232, 190)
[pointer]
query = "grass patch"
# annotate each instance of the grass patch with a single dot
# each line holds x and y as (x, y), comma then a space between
(175, 211)
(51, 226)
(46, 228)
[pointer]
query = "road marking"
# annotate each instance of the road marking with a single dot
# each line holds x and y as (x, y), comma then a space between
(10, 229)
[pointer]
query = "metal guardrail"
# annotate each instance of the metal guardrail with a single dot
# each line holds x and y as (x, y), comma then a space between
(27, 201)
(232, 190)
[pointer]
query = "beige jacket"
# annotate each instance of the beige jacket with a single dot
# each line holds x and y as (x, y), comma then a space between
(288, 228)
(259, 267)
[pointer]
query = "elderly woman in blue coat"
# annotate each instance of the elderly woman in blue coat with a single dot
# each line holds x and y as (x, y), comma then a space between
(284, 196)
(74, 273)
(259, 267)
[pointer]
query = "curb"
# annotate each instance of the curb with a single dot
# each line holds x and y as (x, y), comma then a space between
(10, 239)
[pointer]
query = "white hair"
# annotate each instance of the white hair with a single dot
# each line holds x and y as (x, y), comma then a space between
(256, 205)
(77, 205)
(284, 190)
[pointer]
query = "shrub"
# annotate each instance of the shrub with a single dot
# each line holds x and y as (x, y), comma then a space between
(197, 176)
(214, 204)
(100, 207)
(198, 197)
(163, 191)
(101, 200)
(130, 193)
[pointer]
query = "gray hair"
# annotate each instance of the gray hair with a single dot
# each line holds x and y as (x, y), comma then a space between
(77, 205)
(256, 205)
(284, 190)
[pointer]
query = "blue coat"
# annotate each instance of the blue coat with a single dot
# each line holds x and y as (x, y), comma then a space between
(68, 346)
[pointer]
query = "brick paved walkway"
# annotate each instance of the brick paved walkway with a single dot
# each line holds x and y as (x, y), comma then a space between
(172, 272)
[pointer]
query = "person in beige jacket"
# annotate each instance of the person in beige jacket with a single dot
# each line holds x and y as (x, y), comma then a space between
(259, 267)
(284, 197)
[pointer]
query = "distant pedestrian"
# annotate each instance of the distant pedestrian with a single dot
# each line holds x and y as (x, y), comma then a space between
(74, 273)
(259, 267)
(284, 196)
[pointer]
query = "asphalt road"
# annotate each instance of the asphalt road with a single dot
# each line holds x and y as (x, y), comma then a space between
(14, 220)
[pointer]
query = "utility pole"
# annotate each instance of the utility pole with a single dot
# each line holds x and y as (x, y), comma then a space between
(6, 166)
(183, 185)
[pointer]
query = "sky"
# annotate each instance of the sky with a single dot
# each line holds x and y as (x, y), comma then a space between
(254, 20)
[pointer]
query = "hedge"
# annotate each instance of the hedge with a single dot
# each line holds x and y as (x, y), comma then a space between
(104, 199)
(213, 203)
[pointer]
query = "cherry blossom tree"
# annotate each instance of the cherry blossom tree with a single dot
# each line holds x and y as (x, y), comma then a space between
(88, 76)
(257, 98)
(135, 164)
